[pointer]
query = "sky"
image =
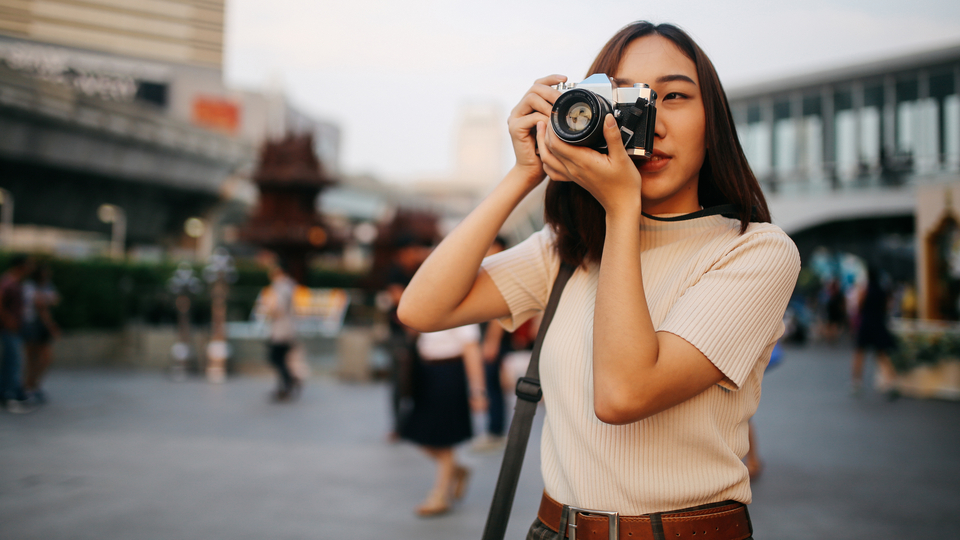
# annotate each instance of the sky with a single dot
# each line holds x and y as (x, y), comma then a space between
(396, 74)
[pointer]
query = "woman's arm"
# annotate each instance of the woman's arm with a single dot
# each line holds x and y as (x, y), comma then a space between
(637, 371)
(450, 289)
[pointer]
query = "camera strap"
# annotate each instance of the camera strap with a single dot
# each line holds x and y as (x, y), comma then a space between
(528, 396)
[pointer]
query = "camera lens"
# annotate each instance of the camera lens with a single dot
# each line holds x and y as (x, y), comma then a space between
(577, 117)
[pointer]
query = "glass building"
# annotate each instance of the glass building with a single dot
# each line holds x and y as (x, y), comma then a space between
(881, 124)
(865, 160)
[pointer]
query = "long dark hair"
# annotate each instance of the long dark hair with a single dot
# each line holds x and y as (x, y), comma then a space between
(579, 221)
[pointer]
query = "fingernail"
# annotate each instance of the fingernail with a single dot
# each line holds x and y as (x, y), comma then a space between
(540, 127)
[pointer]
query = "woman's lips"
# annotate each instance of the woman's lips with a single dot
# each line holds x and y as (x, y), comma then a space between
(654, 163)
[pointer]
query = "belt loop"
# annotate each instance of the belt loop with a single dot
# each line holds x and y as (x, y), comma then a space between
(657, 525)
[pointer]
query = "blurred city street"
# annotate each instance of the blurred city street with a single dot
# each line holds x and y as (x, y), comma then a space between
(118, 455)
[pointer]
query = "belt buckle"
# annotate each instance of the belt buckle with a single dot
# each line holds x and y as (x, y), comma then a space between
(568, 521)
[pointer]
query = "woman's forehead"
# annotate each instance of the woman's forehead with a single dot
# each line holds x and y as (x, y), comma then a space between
(652, 58)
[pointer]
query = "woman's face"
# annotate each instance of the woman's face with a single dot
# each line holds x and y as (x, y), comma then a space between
(670, 176)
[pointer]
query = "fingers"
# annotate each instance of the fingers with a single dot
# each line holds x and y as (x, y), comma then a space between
(536, 106)
(532, 109)
(565, 162)
(539, 97)
(555, 168)
(551, 80)
(565, 156)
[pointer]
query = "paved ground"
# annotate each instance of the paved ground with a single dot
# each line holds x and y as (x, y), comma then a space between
(134, 455)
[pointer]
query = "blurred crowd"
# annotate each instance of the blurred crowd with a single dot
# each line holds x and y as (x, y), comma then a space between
(852, 302)
(27, 332)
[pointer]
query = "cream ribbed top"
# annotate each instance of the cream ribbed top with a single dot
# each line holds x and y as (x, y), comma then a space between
(723, 292)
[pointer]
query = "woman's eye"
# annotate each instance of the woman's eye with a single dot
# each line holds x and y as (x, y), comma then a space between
(673, 95)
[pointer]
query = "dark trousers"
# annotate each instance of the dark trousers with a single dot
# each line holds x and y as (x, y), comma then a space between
(10, 366)
(496, 409)
(278, 358)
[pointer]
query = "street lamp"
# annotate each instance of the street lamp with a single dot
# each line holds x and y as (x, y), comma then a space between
(6, 217)
(183, 283)
(219, 273)
(110, 213)
(195, 227)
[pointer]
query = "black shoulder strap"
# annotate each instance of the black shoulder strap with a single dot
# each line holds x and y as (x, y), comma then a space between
(528, 395)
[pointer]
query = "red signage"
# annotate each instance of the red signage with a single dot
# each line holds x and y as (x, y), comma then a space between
(216, 113)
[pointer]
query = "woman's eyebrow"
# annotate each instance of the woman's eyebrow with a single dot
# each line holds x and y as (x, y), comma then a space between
(676, 77)
(664, 79)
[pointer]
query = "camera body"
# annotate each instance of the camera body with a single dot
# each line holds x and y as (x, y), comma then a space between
(578, 114)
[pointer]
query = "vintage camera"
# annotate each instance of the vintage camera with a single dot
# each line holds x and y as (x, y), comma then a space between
(578, 114)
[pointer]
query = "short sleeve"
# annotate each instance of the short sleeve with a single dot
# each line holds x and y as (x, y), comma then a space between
(735, 310)
(524, 275)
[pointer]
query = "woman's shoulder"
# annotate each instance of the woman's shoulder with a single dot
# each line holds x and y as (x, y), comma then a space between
(757, 229)
(769, 241)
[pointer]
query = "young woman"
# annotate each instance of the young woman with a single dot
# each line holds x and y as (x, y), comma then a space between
(652, 365)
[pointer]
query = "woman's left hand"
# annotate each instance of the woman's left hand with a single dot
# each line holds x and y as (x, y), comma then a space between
(611, 178)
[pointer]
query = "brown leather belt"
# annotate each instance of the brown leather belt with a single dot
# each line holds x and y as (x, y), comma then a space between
(722, 521)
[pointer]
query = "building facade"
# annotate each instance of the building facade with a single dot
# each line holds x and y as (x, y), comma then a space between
(188, 32)
(843, 156)
(123, 103)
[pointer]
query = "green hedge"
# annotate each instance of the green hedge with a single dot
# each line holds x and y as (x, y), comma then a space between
(106, 294)
(924, 348)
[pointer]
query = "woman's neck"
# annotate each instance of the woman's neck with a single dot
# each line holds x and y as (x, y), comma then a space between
(674, 205)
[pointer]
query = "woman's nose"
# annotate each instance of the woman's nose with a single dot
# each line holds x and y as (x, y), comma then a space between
(659, 128)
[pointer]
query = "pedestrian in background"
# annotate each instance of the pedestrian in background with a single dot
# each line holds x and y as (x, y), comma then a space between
(408, 256)
(872, 333)
(836, 313)
(11, 325)
(278, 307)
(39, 330)
(449, 383)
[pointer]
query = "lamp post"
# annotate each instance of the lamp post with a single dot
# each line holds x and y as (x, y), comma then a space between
(111, 213)
(183, 284)
(195, 227)
(219, 273)
(6, 217)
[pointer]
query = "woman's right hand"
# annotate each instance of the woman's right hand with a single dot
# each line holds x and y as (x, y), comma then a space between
(535, 106)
